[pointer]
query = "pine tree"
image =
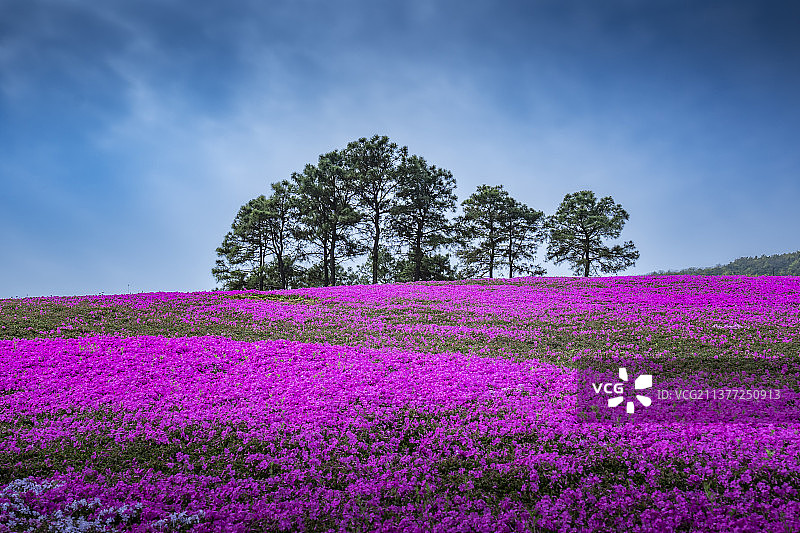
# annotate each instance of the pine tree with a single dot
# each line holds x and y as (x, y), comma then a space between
(374, 165)
(577, 230)
(425, 194)
(326, 194)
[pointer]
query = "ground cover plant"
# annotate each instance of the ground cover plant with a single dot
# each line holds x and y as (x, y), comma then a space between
(446, 406)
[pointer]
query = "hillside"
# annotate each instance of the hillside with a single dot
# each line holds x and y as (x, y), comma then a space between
(479, 405)
(767, 265)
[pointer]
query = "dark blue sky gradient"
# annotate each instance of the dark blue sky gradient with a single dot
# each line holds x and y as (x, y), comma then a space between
(131, 132)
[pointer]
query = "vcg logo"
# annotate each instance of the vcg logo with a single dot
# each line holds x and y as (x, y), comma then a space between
(645, 381)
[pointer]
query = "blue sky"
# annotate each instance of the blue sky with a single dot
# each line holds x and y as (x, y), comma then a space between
(131, 132)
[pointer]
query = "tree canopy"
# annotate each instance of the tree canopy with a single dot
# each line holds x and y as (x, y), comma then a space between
(373, 201)
(373, 164)
(496, 230)
(577, 231)
(244, 250)
(425, 194)
(326, 194)
(520, 235)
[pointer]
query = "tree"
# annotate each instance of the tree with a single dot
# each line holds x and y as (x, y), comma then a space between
(282, 229)
(374, 165)
(577, 230)
(261, 249)
(289, 271)
(243, 252)
(313, 276)
(225, 270)
(418, 218)
(327, 193)
(435, 267)
(521, 232)
(388, 267)
(480, 230)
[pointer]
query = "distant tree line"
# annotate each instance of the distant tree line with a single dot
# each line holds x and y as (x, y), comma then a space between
(373, 200)
(766, 265)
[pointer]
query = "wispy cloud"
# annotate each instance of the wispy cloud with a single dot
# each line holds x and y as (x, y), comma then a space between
(132, 132)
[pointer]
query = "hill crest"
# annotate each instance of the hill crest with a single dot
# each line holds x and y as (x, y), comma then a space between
(787, 264)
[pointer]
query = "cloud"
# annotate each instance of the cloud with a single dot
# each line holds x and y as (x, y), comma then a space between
(132, 132)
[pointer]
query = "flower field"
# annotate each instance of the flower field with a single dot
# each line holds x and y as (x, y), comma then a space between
(414, 407)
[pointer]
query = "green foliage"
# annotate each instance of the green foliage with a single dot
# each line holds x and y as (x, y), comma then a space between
(577, 230)
(292, 298)
(479, 230)
(372, 197)
(282, 232)
(374, 165)
(352, 201)
(424, 194)
(496, 230)
(432, 268)
(261, 249)
(292, 272)
(387, 271)
(403, 269)
(521, 234)
(244, 249)
(326, 194)
(314, 276)
(766, 265)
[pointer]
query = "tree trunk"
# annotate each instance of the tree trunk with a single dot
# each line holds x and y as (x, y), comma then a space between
(325, 278)
(334, 220)
(375, 245)
(280, 246)
(510, 256)
(261, 268)
(491, 256)
(492, 246)
(333, 257)
(418, 254)
(281, 271)
(586, 259)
